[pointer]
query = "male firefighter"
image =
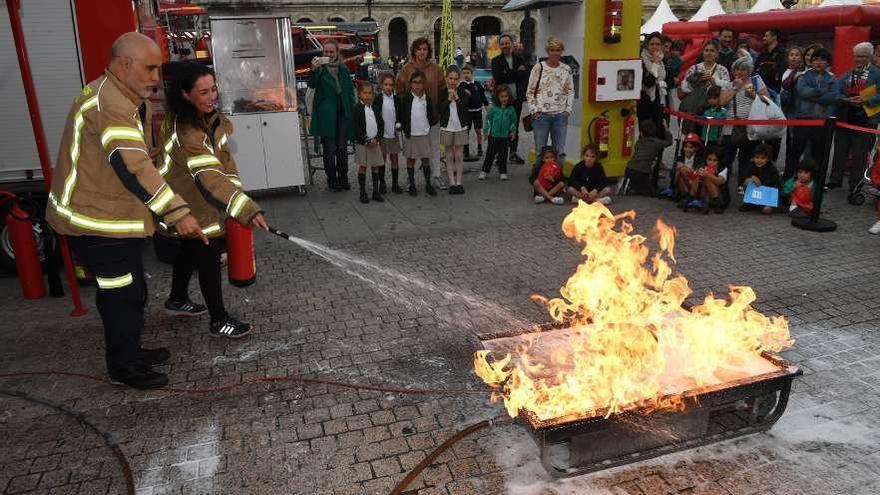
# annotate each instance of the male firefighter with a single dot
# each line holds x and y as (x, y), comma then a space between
(105, 195)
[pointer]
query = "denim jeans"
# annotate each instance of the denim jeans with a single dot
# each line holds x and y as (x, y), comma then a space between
(553, 126)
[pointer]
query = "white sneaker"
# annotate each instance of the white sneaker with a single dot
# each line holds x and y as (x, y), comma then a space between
(875, 229)
(503, 176)
(539, 199)
(574, 200)
(482, 176)
(605, 200)
(557, 200)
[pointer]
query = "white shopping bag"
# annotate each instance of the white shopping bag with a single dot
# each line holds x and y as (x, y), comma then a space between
(765, 109)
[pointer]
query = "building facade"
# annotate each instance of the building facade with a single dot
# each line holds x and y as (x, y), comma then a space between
(399, 21)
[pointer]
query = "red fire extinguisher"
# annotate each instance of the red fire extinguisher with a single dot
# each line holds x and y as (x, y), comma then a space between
(600, 133)
(27, 258)
(629, 132)
(242, 260)
(613, 20)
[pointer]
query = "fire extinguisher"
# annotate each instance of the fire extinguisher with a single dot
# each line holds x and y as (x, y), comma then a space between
(613, 20)
(27, 258)
(600, 133)
(629, 131)
(242, 260)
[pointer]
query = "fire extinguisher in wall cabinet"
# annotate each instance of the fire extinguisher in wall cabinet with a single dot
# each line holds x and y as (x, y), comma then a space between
(600, 133)
(613, 20)
(629, 131)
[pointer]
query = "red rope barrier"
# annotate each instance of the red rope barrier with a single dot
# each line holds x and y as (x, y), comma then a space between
(851, 127)
(717, 122)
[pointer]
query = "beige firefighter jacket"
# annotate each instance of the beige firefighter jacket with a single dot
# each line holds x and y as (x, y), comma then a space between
(105, 183)
(198, 165)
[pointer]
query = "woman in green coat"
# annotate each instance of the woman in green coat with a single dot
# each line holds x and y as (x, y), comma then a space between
(331, 113)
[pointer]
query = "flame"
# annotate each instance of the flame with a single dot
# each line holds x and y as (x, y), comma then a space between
(629, 343)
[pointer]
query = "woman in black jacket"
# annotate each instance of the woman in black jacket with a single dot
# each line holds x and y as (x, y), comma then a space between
(454, 111)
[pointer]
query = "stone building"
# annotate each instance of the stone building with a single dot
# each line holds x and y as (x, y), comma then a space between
(400, 21)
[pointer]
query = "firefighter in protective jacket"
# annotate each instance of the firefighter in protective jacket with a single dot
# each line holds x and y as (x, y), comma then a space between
(198, 164)
(106, 194)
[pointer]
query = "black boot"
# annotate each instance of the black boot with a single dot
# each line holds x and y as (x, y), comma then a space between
(395, 187)
(411, 175)
(428, 187)
(362, 183)
(377, 186)
(382, 189)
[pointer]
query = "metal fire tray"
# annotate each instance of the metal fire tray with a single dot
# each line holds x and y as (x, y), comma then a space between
(573, 446)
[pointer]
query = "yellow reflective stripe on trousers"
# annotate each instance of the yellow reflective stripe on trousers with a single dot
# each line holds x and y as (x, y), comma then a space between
(200, 161)
(122, 133)
(161, 199)
(78, 122)
(115, 282)
(236, 203)
(212, 229)
(94, 224)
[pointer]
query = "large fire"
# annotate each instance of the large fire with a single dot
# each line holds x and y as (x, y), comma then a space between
(629, 343)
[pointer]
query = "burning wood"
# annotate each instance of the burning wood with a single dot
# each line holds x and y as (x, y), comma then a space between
(629, 344)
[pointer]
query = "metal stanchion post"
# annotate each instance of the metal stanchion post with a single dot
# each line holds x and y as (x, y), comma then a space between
(813, 222)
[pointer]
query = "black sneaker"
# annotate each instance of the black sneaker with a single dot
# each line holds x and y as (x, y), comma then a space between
(412, 190)
(364, 198)
(430, 190)
(517, 159)
(229, 327)
(154, 357)
(139, 377)
(378, 198)
(184, 308)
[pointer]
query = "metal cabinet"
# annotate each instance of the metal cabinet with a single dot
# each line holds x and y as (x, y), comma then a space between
(253, 57)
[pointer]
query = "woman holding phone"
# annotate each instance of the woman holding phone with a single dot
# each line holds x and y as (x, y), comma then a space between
(331, 113)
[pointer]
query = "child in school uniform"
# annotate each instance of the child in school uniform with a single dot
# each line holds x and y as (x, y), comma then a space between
(478, 101)
(416, 116)
(454, 119)
(501, 127)
(764, 173)
(587, 181)
(367, 153)
(548, 182)
(386, 106)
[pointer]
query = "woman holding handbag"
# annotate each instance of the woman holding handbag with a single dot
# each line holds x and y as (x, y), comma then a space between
(739, 97)
(700, 77)
(550, 94)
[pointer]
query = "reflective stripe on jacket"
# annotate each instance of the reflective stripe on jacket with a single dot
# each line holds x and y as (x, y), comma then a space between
(196, 161)
(105, 183)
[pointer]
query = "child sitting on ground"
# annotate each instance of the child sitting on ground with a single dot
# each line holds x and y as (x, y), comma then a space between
(587, 181)
(647, 149)
(764, 173)
(683, 171)
(797, 192)
(708, 185)
(714, 110)
(547, 183)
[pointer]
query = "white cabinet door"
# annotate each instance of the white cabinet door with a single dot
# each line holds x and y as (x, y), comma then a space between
(246, 145)
(283, 148)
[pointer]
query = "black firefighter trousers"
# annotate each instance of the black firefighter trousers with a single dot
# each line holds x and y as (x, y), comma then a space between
(118, 267)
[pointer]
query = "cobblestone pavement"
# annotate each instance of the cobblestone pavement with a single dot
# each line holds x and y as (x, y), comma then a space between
(440, 271)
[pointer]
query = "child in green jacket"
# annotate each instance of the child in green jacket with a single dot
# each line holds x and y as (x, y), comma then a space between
(500, 128)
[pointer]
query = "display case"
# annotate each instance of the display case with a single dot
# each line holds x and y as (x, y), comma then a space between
(253, 59)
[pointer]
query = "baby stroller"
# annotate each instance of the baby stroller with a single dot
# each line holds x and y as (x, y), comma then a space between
(868, 186)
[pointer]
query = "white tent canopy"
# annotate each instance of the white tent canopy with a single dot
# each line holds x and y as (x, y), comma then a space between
(832, 3)
(707, 10)
(661, 16)
(765, 5)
